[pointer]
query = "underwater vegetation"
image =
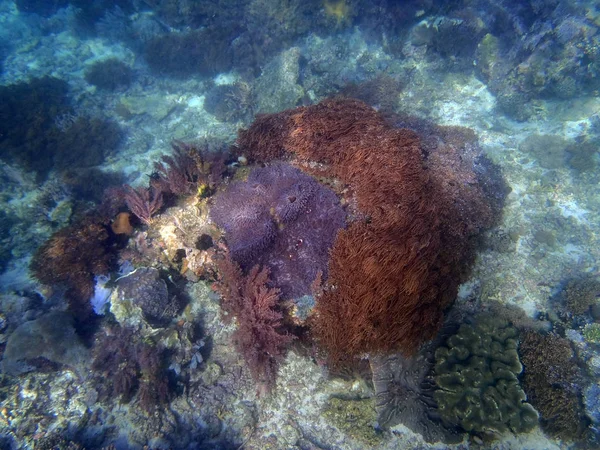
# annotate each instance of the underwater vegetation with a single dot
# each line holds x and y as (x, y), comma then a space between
(85, 143)
(28, 112)
(201, 52)
(190, 169)
(230, 102)
(283, 220)
(144, 202)
(71, 259)
(260, 337)
(251, 31)
(581, 293)
(371, 218)
(139, 368)
(41, 7)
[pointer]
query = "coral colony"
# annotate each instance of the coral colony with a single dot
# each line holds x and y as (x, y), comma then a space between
(371, 218)
(326, 262)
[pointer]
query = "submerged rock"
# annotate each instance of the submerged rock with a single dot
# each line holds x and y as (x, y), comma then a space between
(44, 342)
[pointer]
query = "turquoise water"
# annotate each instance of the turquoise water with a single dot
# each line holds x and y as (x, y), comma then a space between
(167, 280)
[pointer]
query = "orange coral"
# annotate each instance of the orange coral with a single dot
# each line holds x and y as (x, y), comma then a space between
(122, 224)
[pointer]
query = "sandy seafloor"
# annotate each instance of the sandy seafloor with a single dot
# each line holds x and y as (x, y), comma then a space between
(225, 405)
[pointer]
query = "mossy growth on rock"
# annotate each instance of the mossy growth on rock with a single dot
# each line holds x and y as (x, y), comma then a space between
(356, 418)
(476, 374)
(581, 156)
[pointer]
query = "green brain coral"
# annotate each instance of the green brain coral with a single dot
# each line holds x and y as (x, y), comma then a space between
(476, 376)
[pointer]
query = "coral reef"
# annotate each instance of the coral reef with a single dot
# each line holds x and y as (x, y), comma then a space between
(548, 150)
(199, 52)
(109, 74)
(190, 170)
(143, 202)
(29, 111)
(581, 156)
(551, 380)
(259, 337)
(84, 142)
(397, 266)
(40, 132)
(476, 373)
(230, 102)
(254, 30)
(41, 7)
(404, 394)
(279, 83)
(283, 220)
(354, 417)
(454, 38)
(527, 72)
(591, 333)
(380, 92)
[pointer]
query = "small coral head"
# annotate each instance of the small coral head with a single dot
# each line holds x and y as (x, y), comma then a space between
(338, 10)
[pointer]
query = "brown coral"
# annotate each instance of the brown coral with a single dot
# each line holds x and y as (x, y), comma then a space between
(551, 380)
(71, 258)
(415, 207)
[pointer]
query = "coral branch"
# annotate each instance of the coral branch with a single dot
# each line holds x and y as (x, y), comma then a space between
(143, 202)
(177, 174)
(258, 337)
(188, 169)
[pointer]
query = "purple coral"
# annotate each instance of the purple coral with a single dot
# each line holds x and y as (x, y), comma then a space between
(284, 220)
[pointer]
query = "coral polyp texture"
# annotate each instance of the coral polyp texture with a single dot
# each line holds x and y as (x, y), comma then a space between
(281, 219)
(416, 199)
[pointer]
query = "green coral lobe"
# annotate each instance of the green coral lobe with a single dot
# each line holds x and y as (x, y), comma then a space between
(476, 374)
